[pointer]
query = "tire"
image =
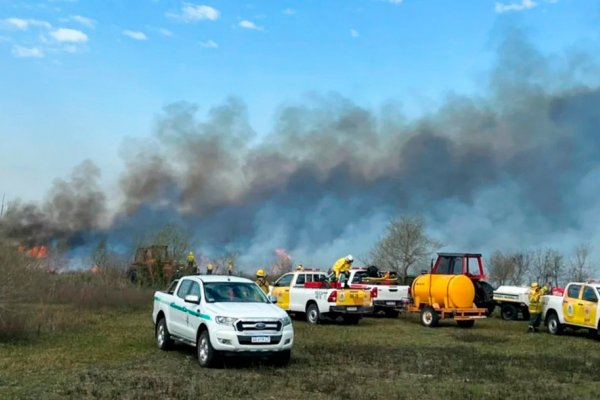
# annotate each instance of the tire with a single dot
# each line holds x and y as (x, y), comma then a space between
(351, 319)
(207, 356)
(163, 337)
(429, 317)
(282, 358)
(466, 323)
(554, 325)
(391, 313)
(508, 312)
(312, 314)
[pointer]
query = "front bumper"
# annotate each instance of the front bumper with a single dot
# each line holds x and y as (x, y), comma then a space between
(230, 340)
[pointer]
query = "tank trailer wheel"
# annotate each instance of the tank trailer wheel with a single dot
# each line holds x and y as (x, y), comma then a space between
(429, 317)
(509, 312)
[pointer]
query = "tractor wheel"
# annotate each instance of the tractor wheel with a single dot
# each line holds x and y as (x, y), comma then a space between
(466, 323)
(429, 317)
(508, 312)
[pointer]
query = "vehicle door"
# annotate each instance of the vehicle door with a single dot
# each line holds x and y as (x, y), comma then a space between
(572, 310)
(192, 318)
(589, 300)
(281, 290)
(179, 314)
(297, 299)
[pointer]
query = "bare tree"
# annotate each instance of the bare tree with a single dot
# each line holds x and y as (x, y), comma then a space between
(580, 268)
(501, 268)
(548, 266)
(177, 238)
(404, 245)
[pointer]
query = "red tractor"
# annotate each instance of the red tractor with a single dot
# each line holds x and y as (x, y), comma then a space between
(471, 265)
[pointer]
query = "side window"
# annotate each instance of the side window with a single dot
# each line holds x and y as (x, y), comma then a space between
(184, 288)
(573, 291)
(172, 286)
(285, 280)
(472, 266)
(457, 269)
(194, 289)
(300, 280)
(589, 294)
(443, 266)
(358, 276)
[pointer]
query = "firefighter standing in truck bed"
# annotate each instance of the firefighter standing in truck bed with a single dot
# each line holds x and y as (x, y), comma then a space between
(341, 268)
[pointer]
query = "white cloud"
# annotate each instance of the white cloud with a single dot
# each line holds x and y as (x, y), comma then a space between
(27, 52)
(69, 35)
(354, 33)
(165, 32)
(24, 24)
(289, 11)
(136, 35)
(194, 12)
(85, 21)
(523, 5)
(250, 25)
(209, 44)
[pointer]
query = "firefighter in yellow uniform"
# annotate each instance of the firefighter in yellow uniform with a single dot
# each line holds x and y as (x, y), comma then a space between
(209, 268)
(300, 267)
(535, 305)
(341, 269)
(261, 280)
(191, 260)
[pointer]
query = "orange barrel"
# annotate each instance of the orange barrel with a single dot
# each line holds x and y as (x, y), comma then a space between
(449, 291)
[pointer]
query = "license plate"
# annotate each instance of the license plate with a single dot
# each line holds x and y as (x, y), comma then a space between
(261, 339)
(390, 303)
(352, 309)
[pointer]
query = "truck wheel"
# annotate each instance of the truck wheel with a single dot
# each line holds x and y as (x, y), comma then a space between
(207, 355)
(282, 358)
(312, 314)
(163, 338)
(391, 313)
(508, 312)
(429, 317)
(554, 325)
(466, 323)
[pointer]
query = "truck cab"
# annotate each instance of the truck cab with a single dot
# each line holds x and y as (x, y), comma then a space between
(577, 308)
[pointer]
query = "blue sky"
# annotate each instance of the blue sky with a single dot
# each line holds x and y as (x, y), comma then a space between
(79, 77)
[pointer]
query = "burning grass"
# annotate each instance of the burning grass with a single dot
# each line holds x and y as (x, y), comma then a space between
(113, 355)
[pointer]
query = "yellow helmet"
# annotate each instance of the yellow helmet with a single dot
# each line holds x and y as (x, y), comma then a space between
(300, 267)
(260, 273)
(190, 253)
(534, 285)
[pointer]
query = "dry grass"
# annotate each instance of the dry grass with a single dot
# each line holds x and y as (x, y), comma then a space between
(113, 355)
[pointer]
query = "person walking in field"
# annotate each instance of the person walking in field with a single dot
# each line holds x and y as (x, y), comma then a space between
(535, 305)
(341, 270)
(261, 280)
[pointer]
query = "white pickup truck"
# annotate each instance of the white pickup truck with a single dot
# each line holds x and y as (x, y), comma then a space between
(512, 301)
(306, 292)
(222, 315)
(577, 308)
(388, 296)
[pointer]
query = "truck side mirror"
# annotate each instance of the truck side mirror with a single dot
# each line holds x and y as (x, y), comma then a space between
(272, 299)
(192, 298)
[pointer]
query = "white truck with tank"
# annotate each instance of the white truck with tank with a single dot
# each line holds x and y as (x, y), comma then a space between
(222, 315)
(388, 297)
(512, 300)
(577, 308)
(310, 294)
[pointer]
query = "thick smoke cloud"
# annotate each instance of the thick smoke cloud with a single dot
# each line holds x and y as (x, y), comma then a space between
(510, 168)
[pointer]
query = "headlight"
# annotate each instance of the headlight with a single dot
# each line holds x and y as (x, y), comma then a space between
(286, 321)
(225, 320)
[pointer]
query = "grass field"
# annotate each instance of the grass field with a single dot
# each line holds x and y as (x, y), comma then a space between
(113, 355)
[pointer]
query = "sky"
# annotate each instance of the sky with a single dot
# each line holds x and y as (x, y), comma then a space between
(84, 80)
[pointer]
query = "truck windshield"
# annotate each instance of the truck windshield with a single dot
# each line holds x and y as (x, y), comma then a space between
(233, 292)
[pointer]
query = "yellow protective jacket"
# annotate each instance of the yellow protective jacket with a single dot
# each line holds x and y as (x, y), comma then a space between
(263, 283)
(191, 258)
(535, 300)
(340, 267)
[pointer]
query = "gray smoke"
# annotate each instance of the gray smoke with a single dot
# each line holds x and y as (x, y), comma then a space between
(516, 167)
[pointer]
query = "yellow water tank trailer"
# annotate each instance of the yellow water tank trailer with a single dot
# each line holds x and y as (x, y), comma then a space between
(447, 291)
